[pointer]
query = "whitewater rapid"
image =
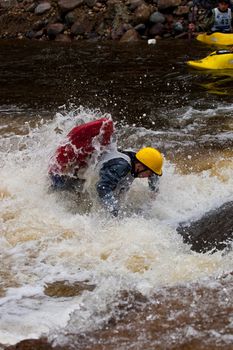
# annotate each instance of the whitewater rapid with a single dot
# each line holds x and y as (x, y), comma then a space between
(45, 237)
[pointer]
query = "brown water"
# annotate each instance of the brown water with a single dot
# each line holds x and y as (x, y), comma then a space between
(145, 288)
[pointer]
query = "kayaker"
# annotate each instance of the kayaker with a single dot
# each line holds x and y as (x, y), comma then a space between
(115, 170)
(219, 19)
(119, 169)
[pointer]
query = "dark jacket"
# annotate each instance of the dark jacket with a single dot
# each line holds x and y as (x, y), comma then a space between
(116, 176)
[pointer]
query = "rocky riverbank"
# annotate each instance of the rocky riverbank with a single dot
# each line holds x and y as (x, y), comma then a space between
(68, 20)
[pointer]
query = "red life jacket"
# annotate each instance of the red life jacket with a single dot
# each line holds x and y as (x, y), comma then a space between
(79, 146)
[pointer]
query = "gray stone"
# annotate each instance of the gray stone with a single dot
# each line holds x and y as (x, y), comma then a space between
(69, 5)
(157, 17)
(181, 10)
(38, 25)
(70, 18)
(31, 8)
(178, 27)
(142, 14)
(130, 36)
(157, 29)
(42, 8)
(140, 28)
(81, 26)
(5, 4)
(133, 4)
(90, 3)
(54, 29)
(39, 34)
(63, 38)
(164, 4)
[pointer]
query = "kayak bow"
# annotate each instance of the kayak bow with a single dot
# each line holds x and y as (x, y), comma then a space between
(222, 59)
(216, 38)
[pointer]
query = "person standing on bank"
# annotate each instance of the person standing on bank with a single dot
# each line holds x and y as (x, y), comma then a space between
(219, 19)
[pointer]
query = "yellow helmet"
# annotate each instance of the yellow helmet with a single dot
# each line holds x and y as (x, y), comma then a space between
(151, 158)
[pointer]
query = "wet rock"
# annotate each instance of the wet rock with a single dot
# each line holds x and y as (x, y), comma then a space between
(133, 4)
(39, 34)
(214, 231)
(81, 26)
(165, 4)
(31, 8)
(5, 4)
(156, 29)
(30, 34)
(63, 38)
(38, 25)
(65, 289)
(140, 28)
(90, 3)
(157, 17)
(42, 8)
(194, 313)
(70, 18)
(33, 344)
(118, 32)
(93, 37)
(108, 17)
(54, 29)
(142, 14)
(178, 28)
(181, 10)
(69, 5)
(119, 14)
(130, 36)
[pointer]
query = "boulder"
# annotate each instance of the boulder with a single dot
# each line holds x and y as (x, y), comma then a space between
(119, 31)
(133, 4)
(68, 5)
(142, 14)
(6, 4)
(181, 10)
(38, 25)
(214, 231)
(157, 29)
(31, 8)
(90, 3)
(165, 4)
(157, 17)
(81, 26)
(130, 36)
(39, 34)
(42, 8)
(54, 29)
(140, 28)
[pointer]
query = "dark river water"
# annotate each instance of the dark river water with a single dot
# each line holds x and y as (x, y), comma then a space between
(74, 276)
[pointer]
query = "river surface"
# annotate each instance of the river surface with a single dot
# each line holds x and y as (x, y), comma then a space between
(50, 243)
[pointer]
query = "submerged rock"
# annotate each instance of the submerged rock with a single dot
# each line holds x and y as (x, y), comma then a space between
(177, 318)
(65, 289)
(214, 231)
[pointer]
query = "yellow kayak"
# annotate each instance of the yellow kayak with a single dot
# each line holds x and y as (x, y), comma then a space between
(216, 38)
(221, 59)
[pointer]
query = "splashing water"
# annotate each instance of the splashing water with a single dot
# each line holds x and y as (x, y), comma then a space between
(46, 237)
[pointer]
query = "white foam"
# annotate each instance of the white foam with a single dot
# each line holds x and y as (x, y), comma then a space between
(45, 241)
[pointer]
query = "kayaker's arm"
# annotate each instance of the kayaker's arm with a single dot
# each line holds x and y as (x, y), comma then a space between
(111, 175)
